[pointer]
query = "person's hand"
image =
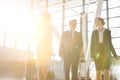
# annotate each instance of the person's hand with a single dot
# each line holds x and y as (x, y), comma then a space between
(117, 58)
(82, 60)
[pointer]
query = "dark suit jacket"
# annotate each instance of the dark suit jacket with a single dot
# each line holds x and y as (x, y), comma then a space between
(70, 47)
(106, 41)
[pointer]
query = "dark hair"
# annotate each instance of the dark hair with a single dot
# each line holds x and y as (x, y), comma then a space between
(101, 19)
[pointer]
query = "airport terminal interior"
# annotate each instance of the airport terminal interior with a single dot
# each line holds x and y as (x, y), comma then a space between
(18, 45)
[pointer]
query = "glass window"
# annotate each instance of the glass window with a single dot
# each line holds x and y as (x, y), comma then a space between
(2, 34)
(10, 37)
(114, 3)
(114, 12)
(56, 15)
(114, 22)
(115, 32)
(56, 7)
(91, 7)
(73, 3)
(116, 46)
(116, 42)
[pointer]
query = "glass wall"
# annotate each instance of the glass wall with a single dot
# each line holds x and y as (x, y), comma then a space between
(72, 10)
(18, 19)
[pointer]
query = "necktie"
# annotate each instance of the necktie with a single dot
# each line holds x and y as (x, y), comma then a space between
(71, 41)
(71, 34)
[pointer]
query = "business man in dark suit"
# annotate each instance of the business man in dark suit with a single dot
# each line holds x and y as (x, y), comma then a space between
(70, 47)
(101, 49)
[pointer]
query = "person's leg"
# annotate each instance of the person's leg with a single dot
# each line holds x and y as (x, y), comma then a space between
(67, 69)
(45, 71)
(98, 75)
(107, 74)
(75, 69)
(40, 74)
(74, 73)
(99, 68)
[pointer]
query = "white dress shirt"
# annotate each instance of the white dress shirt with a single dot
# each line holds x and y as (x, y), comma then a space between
(101, 35)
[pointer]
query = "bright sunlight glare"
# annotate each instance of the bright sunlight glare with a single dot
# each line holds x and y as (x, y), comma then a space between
(19, 20)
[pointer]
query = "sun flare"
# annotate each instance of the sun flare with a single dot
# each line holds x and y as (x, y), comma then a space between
(18, 22)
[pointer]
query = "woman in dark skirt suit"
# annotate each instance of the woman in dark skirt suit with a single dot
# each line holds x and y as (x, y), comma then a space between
(101, 49)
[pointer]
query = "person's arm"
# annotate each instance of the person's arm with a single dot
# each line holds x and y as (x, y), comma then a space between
(92, 46)
(61, 45)
(111, 45)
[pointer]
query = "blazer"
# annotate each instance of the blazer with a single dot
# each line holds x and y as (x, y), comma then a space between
(70, 47)
(109, 49)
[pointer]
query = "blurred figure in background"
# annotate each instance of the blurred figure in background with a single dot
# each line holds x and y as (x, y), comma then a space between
(44, 49)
